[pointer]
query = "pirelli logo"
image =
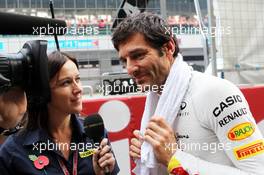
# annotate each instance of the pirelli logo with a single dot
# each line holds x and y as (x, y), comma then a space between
(249, 150)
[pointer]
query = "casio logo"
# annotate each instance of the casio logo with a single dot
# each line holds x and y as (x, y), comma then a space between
(230, 100)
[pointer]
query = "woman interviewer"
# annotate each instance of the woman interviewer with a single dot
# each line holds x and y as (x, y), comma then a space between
(54, 141)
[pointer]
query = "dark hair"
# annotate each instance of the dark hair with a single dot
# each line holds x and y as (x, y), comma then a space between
(155, 30)
(38, 115)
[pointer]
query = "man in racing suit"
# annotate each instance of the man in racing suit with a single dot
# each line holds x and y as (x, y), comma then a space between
(214, 132)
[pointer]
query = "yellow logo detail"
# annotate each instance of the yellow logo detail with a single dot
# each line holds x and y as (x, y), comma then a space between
(174, 163)
(241, 131)
(87, 153)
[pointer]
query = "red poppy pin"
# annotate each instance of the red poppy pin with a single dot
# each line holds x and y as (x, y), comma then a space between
(39, 162)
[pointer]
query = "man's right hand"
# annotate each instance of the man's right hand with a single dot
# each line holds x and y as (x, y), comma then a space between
(135, 146)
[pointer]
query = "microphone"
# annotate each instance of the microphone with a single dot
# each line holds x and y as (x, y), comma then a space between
(16, 24)
(94, 129)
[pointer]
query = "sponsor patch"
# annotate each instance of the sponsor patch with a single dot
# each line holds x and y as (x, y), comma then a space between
(183, 105)
(178, 171)
(232, 116)
(249, 150)
(241, 131)
(175, 168)
(229, 101)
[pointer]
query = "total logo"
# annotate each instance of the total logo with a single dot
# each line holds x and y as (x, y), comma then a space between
(241, 131)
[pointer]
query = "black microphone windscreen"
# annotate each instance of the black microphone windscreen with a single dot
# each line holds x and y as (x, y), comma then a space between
(16, 24)
(94, 127)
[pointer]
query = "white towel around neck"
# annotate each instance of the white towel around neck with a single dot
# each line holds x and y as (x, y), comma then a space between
(166, 105)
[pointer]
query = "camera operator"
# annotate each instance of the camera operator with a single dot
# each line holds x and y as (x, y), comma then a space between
(24, 74)
(13, 106)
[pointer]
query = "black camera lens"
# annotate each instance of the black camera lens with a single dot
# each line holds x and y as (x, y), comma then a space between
(13, 68)
(27, 69)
